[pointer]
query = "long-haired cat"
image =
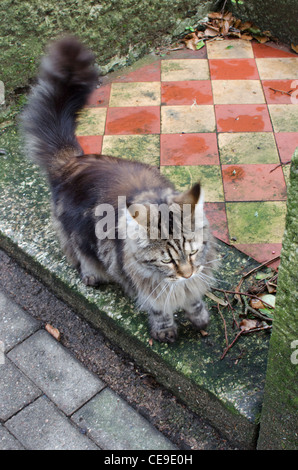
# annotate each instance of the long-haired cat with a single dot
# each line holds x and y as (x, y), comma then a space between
(163, 273)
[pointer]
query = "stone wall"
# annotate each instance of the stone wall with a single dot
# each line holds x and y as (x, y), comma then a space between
(280, 408)
(278, 16)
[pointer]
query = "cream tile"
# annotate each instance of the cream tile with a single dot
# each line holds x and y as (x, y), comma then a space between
(230, 49)
(187, 119)
(135, 94)
(237, 92)
(283, 68)
(284, 117)
(247, 148)
(91, 121)
(184, 69)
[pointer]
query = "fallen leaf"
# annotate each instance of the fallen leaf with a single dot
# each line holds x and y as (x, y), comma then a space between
(256, 304)
(211, 32)
(200, 45)
(228, 16)
(216, 299)
(229, 47)
(225, 28)
(269, 299)
(261, 39)
(246, 25)
(214, 15)
(260, 276)
(150, 342)
(204, 333)
(53, 331)
(191, 41)
(247, 325)
(295, 48)
(246, 37)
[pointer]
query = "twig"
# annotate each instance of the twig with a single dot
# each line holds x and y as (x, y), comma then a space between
(225, 325)
(280, 164)
(232, 310)
(281, 91)
(243, 332)
(260, 266)
(252, 296)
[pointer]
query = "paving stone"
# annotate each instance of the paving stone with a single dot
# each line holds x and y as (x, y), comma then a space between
(55, 371)
(16, 390)
(15, 324)
(41, 426)
(114, 425)
(7, 441)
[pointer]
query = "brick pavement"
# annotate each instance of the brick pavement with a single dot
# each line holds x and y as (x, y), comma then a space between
(49, 400)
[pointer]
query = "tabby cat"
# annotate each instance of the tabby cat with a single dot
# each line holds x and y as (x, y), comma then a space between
(163, 273)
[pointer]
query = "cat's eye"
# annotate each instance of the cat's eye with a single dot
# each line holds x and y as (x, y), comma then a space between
(166, 260)
(193, 252)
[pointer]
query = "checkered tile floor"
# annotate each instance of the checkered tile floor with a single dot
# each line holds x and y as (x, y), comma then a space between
(209, 115)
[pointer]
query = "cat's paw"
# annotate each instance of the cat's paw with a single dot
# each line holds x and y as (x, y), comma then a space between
(90, 280)
(200, 321)
(165, 335)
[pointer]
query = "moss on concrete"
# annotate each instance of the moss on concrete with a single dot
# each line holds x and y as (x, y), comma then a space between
(280, 410)
(118, 31)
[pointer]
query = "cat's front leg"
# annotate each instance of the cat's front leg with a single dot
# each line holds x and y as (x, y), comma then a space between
(162, 325)
(197, 313)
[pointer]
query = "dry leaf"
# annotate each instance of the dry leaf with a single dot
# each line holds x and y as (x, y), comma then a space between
(228, 16)
(53, 331)
(150, 342)
(216, 299)
(261, 39)
(211, 32)
(246, 25)
(256, 304)
(246, 37)
(214, 15)
(225, 28)
(237, 24)
(295, 48)
(204, 333)
(247, 325)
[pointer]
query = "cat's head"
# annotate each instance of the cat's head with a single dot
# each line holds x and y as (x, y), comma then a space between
(168, 237)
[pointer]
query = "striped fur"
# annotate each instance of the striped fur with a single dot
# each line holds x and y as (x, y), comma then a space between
(163, 275)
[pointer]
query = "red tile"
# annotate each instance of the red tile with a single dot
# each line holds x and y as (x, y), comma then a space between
(242, 118)
(262, 252)
(253, 183)
(216, 215)
(275, 97)
(91, 143)
(233, 69)
(286, 143)
(189, 149)
(133, 120)
(100, 96)
(148, 73)
(262, 51)
(186, 93)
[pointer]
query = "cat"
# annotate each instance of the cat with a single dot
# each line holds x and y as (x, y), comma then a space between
(163, 274)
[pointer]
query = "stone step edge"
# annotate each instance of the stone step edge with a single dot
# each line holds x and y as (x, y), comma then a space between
(226, 419)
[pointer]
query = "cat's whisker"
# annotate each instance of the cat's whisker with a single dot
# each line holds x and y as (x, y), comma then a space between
(151, 293)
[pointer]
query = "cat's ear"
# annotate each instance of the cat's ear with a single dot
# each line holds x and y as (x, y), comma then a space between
(192, 196)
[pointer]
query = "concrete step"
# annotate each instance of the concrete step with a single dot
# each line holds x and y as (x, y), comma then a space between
(228, 392)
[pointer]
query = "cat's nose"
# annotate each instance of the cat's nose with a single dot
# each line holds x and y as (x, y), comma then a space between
(186, 270)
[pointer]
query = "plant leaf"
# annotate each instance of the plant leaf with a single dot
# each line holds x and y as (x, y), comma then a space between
(200, 45)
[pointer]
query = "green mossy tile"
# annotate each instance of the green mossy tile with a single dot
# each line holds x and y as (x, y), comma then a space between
(143, 148)
(135, 94)
(256, 222)
(91, 121)
(284, 117)
(247, 148)
(185, 176)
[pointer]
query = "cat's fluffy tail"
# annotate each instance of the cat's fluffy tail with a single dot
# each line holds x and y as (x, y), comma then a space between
(67, 76)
